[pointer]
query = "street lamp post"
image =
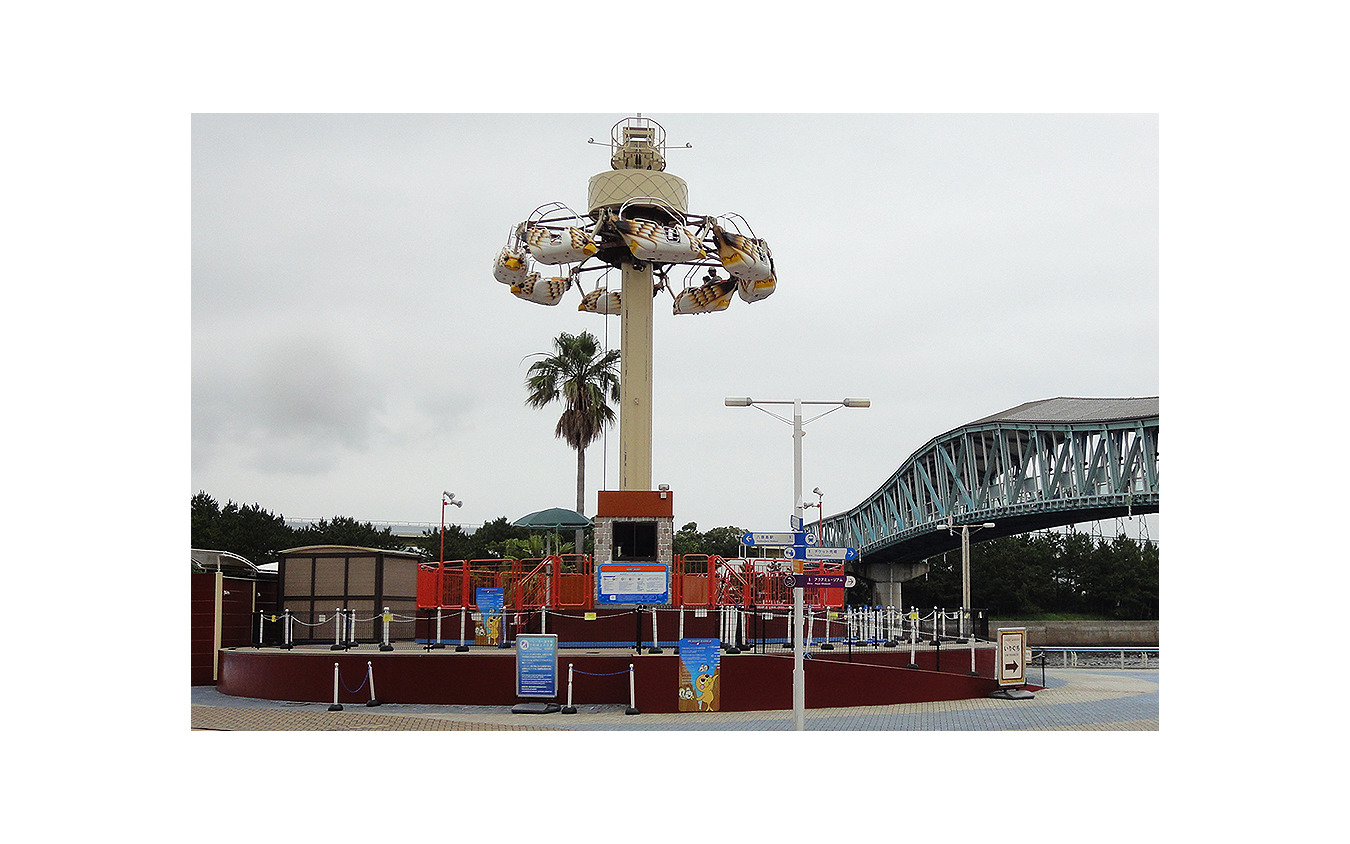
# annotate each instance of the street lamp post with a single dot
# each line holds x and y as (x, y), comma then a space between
(965, 569)
(798, 666)
(446, 498)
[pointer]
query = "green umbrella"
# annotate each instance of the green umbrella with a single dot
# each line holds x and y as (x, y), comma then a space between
(555, 519)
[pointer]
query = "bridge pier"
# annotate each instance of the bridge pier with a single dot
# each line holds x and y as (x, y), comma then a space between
(888, 578)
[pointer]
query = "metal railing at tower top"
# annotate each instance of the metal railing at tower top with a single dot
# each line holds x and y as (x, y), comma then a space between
(567, 581)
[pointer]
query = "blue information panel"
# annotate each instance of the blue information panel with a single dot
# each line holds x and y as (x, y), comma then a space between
(490, 602)
(632, 583)
(537, 665)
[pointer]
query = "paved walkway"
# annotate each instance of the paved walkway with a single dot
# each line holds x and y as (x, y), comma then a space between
(1074, 699)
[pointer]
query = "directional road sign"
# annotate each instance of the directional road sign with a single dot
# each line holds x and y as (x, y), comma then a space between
(778, 540)
(816, 581)
(806, 553)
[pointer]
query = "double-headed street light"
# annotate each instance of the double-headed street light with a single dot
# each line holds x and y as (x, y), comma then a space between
(798, 668)
(965, 564)
(797, 424)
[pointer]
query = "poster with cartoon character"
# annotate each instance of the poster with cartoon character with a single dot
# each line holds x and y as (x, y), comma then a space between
(700, 664)
(488, 619)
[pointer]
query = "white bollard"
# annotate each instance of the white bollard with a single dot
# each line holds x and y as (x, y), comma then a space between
(569, 709)
(656, 639)
(336, 707)
(913, 634)
(384, 644)
(632, 693)
(462, 614)
(370, 678)
(439, 643)
(351, 628)
(337, 630)
(286, 643)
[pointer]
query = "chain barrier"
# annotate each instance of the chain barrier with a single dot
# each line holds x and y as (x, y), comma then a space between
(739, 627)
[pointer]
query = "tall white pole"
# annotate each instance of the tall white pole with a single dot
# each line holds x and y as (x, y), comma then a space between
(798, 665)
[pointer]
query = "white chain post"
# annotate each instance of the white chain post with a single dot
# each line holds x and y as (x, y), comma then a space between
(336, 707)
(632, 693)
(370, 678)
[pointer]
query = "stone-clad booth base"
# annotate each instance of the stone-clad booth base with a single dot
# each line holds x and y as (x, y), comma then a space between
(749, 682)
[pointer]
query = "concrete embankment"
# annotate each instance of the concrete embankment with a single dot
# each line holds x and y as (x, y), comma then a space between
(1084, 633)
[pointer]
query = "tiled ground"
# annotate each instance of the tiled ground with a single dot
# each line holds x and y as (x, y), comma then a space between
(1074, 699)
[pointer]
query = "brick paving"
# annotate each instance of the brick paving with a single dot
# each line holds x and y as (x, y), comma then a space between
(1074, 699)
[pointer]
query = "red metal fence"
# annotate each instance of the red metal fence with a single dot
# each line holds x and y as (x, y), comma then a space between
(568, 581)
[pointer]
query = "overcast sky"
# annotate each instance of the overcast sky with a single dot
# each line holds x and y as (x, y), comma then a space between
(353, 355)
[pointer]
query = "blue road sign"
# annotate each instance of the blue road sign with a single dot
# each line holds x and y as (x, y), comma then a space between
(778, 539)
(803, 552)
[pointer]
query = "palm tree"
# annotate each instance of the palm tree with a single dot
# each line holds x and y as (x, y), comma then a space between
(585, 383)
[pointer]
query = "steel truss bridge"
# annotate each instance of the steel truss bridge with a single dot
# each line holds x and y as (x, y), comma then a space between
(1041, 464)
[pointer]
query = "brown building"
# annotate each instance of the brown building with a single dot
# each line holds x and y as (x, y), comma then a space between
(318, 579)
(227, 591)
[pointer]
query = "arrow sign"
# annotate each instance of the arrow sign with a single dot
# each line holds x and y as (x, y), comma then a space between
(774, 540)
(800, 552)
(815, 581)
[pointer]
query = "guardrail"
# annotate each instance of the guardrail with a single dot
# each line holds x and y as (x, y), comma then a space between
(1069, 656)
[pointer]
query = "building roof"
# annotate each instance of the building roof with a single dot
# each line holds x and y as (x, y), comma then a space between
(347, 549)
(222, 561)
(1068, 410)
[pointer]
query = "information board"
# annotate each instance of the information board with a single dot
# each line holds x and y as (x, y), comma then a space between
(1012, 656)
(632, 583)
(537, 665)
(490, 601)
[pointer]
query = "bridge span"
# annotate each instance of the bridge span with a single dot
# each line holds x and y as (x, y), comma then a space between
(1041, 464)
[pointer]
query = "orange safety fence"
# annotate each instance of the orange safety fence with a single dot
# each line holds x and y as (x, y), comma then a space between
(568, 581)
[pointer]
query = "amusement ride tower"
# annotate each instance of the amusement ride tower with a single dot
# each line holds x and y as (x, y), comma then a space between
(637, 221)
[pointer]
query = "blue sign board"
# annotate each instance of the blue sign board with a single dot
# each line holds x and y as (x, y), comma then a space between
(537, 665)
(632, 583)
(779, 539)
(803, 552)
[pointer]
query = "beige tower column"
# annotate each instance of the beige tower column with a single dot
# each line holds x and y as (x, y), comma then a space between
(637, 181)
(635, 373)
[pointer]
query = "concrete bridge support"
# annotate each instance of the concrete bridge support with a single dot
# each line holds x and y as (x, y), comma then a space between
(888, 578)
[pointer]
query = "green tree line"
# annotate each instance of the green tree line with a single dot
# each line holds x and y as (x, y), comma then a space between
(1031, 574)
(1047, 573)
(259, 536)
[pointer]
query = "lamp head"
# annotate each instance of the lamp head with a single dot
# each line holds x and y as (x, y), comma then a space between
(857, 402)
(738, 402)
